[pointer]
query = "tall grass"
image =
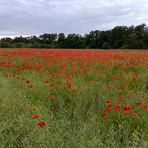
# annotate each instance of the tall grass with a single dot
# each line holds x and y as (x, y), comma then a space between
(72, 105)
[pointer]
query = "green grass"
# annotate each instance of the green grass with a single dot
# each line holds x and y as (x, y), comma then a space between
(73, 123)
(73, 119)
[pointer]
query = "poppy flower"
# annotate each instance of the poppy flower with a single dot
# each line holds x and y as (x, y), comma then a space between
(27, 81)
(127, 108)
(138, 103)
(104, 115)
(107, 108)
(145, 106)
(121, 98)
(62, 73)
(107, 101)
(46, 81)
(41, 123)
(69, 85)
(23, 79)
(36, 116)
(117, 107)
(82, 67)
(125, 83)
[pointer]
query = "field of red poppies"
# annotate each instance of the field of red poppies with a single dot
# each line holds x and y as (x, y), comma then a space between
(73, 98)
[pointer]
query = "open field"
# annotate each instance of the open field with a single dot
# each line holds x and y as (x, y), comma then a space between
(73, 98)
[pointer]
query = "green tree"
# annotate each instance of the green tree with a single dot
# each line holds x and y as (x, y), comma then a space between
(61, 40)
(105, 45)
(118, 36)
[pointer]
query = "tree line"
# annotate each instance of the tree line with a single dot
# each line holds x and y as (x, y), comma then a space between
(120, 37)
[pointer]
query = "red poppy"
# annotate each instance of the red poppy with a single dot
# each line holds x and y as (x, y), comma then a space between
(23, 79)
(62, 73)
(104, 115)
(27, 81)
(69, 85)
(145, 106)
(138, 103)
(108, 108)
(36, 116)
(125, 83)
(127, 108)
(46, 81)
(130, 108)
(82, 67)
(107, 101)
(41, 123)
(117, 107)
(121, 98)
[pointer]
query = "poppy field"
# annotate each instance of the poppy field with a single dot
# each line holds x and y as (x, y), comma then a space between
(73, 98)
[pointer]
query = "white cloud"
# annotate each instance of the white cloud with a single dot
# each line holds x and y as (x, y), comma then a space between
(80, 16)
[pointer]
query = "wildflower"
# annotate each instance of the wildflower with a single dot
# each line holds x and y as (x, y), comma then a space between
(121, 98)
(36, 116)
(108, 108)
(62, 73)
(104, 115)
(41, 123)
(125, 83)
(107, 101)
(127, 108)
(117, 107)
(69, 85)
(81, 67)
(27, 81)
(145, 106)
(138, 103)
(46, 81)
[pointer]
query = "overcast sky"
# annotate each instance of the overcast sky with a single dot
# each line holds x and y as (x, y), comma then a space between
(34, 17)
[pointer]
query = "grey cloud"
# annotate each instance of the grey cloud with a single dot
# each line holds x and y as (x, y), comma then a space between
(25, 17)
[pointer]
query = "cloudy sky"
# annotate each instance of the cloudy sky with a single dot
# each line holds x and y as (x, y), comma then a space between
(34, 17)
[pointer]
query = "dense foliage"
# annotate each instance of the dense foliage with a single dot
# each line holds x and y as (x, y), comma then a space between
(123, 37)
